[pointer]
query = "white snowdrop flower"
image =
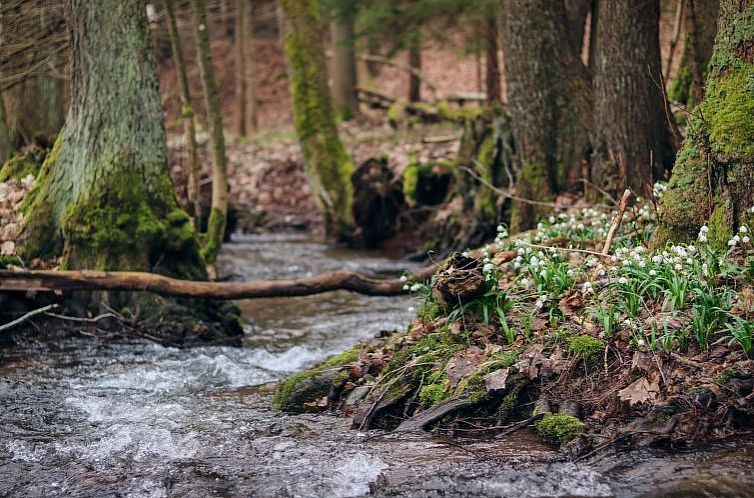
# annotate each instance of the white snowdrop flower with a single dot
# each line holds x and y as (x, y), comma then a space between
(640, 342)
(737, 238)
(602, 272)
(416, 287)
(587, 288)
(705, 269)
(642, 264)
(406, 287)
(521, 251)
(403, 278)
(704, 229)
(488, 267)
(580, 226)
(543, 274)
(466, 254)
(411, 309)
(613, 258)
(665, 254)
(692, 249)
(653, 273)
(202, 27)
(743, 229)
(702, 238)
(534, 261)
(657, 259)
(623, 280)
(689, 261)
(678, 267)
(516, 265)
(745, 239)
(540, 226)
(541, 254)
(732, 242)
(751, 209)
(551, 219)
(569, 273)
(626, 262)
(525, 282)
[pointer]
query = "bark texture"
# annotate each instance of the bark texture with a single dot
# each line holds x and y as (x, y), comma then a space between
(38, 109)
(549, 103)
(326, 161)
(219, 209)
(104, 198)
(632, 141)
(344, 67)
(713, 177)
(187, 112)
(246, 75)
(6, 147)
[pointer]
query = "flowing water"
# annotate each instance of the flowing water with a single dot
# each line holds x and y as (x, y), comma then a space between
(87, 417)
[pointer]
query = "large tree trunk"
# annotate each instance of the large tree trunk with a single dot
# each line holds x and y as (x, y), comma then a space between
(187, 113)
(632, 141)
(701, 27)
(491, 37)
(713, 177)
(327, 163)
(415, 63)
(549, 102)
(219, 210)
(344, 67)
(104, 198)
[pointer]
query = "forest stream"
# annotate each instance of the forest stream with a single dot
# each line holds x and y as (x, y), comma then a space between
(88, 417)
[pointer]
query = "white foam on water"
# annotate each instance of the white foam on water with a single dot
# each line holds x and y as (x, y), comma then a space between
(352, 475)
(25, 451)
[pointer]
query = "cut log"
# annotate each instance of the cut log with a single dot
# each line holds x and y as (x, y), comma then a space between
(84, 280)
(425, 418)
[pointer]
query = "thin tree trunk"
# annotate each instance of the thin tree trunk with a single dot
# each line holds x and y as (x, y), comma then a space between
(251, 69)
(104, 198)
(549, 103)
(344, 67)
(6, 147)
(713, 177)
(701, 27)
(414, 62)
(576, 14)
(632, 141)
(241, 86)
(327, 163)
(492, 75)
(187, 114)
(219, 211)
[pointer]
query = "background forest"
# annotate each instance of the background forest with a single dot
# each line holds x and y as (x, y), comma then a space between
(556, 195)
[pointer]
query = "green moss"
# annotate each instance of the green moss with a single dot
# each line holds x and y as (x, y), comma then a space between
(396, 112)
(586, 347)
(559, 428)
(213, 239)
(729, 108)
(460, 114)
(9, 260)
(682, 89)
(432, 394)
(20, 166)
(723, 376)
(720, 229)
(287, 387)
(484, 200)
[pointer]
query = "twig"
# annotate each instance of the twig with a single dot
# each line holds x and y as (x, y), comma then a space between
(566, 249)
(82, 320)
(505, 192)
(622, 204)
(520, 425)
(28, 315)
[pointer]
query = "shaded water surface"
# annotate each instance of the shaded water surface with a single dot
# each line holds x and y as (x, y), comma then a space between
(90, 418)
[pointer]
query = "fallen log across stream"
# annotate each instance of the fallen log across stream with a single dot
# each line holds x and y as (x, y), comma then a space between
(85, 280)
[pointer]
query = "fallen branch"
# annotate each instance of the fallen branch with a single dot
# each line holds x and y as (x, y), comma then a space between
(159, 284)
(28, 315)
(622, 204)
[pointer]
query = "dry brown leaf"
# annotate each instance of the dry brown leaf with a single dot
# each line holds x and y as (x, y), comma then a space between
(463, 364)
(570, 303)
(496, 381)
(639, 391)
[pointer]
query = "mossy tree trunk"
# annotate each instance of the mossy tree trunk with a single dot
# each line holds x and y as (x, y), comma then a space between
(187, 113)
(713, 176)
(328, 165)
(632, 141)
(342, 37)
(104, 198)
(701, 27)
(549, 103)
(219, 209)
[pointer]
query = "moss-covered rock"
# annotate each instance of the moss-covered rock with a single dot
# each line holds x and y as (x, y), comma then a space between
(559, 428)
(307, 386)
(20, 166)
(586, 347)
